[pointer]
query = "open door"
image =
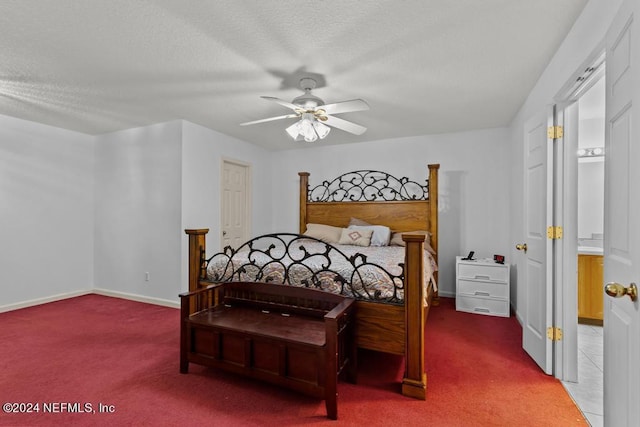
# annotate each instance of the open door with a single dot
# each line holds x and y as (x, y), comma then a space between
(537, 274)
(621, 221)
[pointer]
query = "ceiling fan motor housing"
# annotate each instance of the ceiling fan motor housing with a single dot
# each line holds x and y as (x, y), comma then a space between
(307, 101)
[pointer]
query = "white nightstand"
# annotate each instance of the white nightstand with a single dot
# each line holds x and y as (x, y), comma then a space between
(482, 287)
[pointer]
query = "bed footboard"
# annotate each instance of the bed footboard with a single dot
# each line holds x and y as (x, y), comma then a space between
(396, 329)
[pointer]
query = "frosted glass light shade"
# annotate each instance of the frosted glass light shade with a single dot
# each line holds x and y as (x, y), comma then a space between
(321, 129)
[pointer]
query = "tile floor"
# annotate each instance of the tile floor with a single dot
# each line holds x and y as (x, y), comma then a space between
(588, 391)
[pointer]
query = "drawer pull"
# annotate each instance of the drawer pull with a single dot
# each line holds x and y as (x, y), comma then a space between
(482, 310)
(484, 294)
(478, 276)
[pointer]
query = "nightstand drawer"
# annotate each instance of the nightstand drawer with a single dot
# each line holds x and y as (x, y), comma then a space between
(483, 289)
(483, 271)
(482, 306)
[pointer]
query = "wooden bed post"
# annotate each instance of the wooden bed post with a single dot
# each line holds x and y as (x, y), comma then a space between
(433, 219)
(197, 244)
(414, 383)
(304, 188)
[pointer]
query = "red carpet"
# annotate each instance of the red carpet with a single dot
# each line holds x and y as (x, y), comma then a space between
(124, 355)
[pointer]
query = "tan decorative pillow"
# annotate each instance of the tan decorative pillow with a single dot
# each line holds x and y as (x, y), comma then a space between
(359, 237)
(326, 233)
(396, 240)
(381, 234)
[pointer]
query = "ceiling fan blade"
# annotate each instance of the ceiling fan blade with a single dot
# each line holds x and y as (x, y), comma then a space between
(288, 116)
(344, 125)
(281, 102)
(345, 106)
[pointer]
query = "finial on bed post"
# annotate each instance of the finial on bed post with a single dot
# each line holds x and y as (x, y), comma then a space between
(304, 190)
(197, 246)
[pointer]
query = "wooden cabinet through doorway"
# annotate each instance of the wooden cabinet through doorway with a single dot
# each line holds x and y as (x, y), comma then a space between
(590, 289)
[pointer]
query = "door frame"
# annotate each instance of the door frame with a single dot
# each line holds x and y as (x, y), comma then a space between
(566, 214)
(248, 195)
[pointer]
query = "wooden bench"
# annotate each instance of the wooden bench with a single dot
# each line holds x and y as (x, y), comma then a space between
(290, 336)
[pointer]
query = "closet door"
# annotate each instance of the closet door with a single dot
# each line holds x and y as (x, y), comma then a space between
(536, 247)
(236, 179)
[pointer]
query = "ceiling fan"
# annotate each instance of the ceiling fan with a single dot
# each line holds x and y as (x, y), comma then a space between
(315, 116)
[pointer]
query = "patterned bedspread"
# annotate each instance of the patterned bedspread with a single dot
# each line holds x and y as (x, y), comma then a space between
(366, 273)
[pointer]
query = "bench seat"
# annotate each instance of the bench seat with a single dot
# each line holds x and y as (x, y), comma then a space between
(294, 328)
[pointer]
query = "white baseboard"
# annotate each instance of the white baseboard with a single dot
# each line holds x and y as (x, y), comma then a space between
(446, 294)
(38, 301)
(519, 318)
(138, 298)
(104, 292)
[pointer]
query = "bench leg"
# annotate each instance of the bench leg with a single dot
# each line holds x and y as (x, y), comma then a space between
(332, 406)
(184, 361)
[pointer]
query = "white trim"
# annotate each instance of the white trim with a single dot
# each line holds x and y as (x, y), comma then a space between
(45, 300)
(138, 298)
(103, 292)
(567, 279)
(446, 294)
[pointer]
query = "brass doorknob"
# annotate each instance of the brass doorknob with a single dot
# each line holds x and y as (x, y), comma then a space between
(617, 290)
(522, 247)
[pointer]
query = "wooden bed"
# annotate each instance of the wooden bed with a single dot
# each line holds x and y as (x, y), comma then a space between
(390, 328)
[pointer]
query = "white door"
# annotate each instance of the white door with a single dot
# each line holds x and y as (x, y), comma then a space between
(536, 276)
(235, 204)
(622, 220)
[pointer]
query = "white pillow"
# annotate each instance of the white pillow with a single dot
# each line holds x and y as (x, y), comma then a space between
(380, 236)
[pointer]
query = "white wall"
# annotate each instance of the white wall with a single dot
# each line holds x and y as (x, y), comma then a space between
(590, 198)
(46, 212)
(473, 196)
(81, 213)
(203, 151)
(585, 39)
(591, 134)
(138, 211)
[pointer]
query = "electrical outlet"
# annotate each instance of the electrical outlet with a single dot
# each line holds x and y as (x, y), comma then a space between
(146, 276)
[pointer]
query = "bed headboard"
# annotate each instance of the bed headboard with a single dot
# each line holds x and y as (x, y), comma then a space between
(375, 197)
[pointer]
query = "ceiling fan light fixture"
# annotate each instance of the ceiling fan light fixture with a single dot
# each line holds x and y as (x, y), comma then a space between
(294, 130)
(315, 117)
(321, 129)
(307, 130)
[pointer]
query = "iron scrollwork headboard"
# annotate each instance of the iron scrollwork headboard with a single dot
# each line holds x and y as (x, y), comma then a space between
(368, 185)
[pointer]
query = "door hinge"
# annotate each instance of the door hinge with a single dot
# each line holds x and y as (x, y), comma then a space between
(554, 232)
(555, 132)
(554, 333)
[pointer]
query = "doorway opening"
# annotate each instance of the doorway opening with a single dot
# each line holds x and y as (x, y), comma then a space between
(582, 261)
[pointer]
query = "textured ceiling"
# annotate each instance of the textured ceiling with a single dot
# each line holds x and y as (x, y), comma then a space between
(424, 66)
